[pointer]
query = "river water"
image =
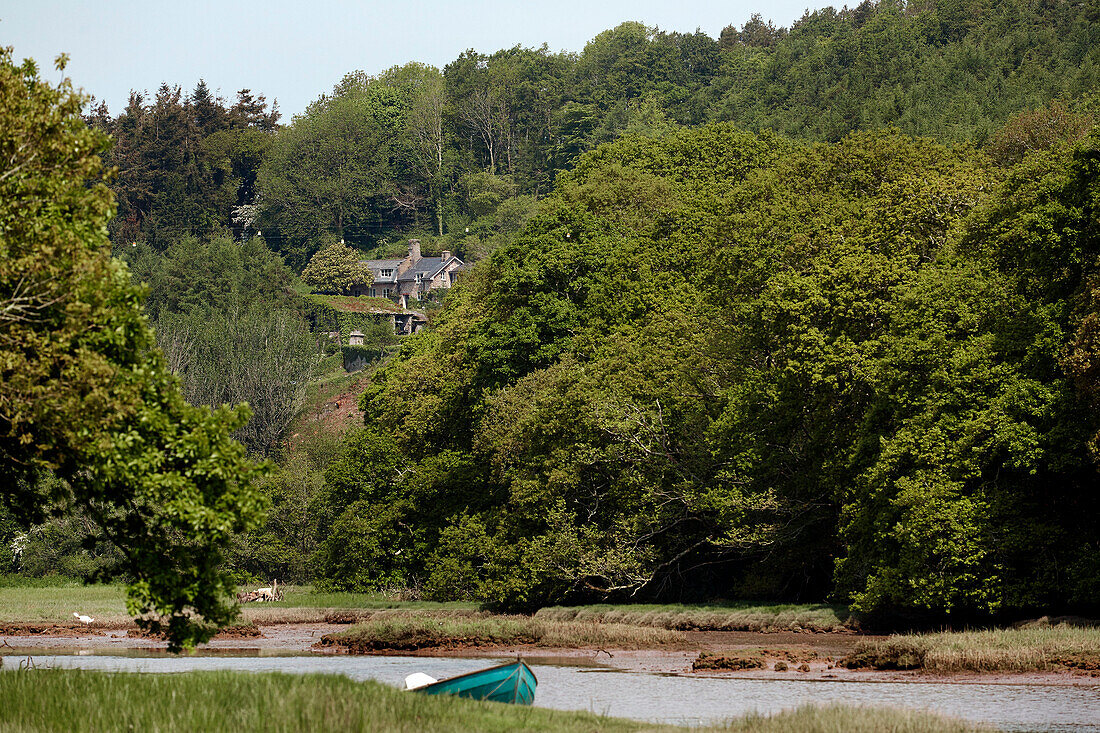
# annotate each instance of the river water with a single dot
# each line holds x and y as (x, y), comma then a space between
(664, 698)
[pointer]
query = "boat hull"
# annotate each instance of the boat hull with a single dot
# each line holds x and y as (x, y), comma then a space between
(512, 683)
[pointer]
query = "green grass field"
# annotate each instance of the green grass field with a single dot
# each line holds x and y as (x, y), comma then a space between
(54, 601)
(66, 700)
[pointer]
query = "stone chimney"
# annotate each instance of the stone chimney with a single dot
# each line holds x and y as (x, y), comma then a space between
(412, 258)
(446, 256)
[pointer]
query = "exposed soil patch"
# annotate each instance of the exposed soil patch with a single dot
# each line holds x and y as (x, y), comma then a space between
(735, 661)
(41, 630)
(884, 657)
(249, 631)
(66, 630)
(1087, 663)
(823, 645)
(374, 646)
(244, 631)
(70, 631)
(336, 414)
(777, 659)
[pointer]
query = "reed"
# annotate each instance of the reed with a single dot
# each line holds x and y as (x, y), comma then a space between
(849, 719)
(423, 631)
(721, 616)
(1038, 649)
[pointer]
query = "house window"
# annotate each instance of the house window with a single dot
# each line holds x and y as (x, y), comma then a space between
(385, 292)
(419, 277)
(373, 293)
(387, 273)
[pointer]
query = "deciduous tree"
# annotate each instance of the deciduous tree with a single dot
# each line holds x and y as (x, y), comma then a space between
(85, 395)
(336, 268)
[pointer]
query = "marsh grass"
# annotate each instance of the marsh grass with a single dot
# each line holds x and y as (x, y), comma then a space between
(1000, 650)
(408, 632)
(55, 700)
(68, 700)
(849, 719)
(731, 616)
(53, 601)
(56, 603)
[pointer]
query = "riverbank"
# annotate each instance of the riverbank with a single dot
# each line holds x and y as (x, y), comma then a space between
(66, 700)
(822, 652)
(787, 641)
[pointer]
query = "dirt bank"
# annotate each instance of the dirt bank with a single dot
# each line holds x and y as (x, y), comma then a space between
(819, 652)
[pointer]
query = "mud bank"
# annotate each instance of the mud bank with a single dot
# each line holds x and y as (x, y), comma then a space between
(819, 652)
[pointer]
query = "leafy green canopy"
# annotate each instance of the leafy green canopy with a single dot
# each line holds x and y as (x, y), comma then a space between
(83, 391)
(336, 268)
(717, 363)
(412, 148)
(333, 170)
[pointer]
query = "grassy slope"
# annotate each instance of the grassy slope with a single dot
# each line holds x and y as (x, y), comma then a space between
(59, 700)
(358, 304)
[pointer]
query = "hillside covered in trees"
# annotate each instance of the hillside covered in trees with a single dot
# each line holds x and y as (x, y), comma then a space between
(725, 363)
(797, 313)
(462, 153)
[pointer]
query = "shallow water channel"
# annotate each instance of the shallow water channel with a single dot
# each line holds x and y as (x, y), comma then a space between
(677, 699)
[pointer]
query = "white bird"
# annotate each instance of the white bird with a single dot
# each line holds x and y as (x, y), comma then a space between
(83, 619)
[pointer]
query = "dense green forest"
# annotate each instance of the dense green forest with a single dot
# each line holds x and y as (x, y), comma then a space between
(463, 152)
(805, 313)
(724, 363)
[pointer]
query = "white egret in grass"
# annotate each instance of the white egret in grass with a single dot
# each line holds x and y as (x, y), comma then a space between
(83, 619)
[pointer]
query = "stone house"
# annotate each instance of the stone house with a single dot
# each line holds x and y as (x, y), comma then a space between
(410, 279)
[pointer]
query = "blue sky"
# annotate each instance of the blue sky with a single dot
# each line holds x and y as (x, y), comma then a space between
(295, 51)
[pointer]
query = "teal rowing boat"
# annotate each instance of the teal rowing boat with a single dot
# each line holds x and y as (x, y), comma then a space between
(514, 682)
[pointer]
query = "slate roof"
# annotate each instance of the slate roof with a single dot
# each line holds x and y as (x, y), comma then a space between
(426, 265)
(376, 265)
